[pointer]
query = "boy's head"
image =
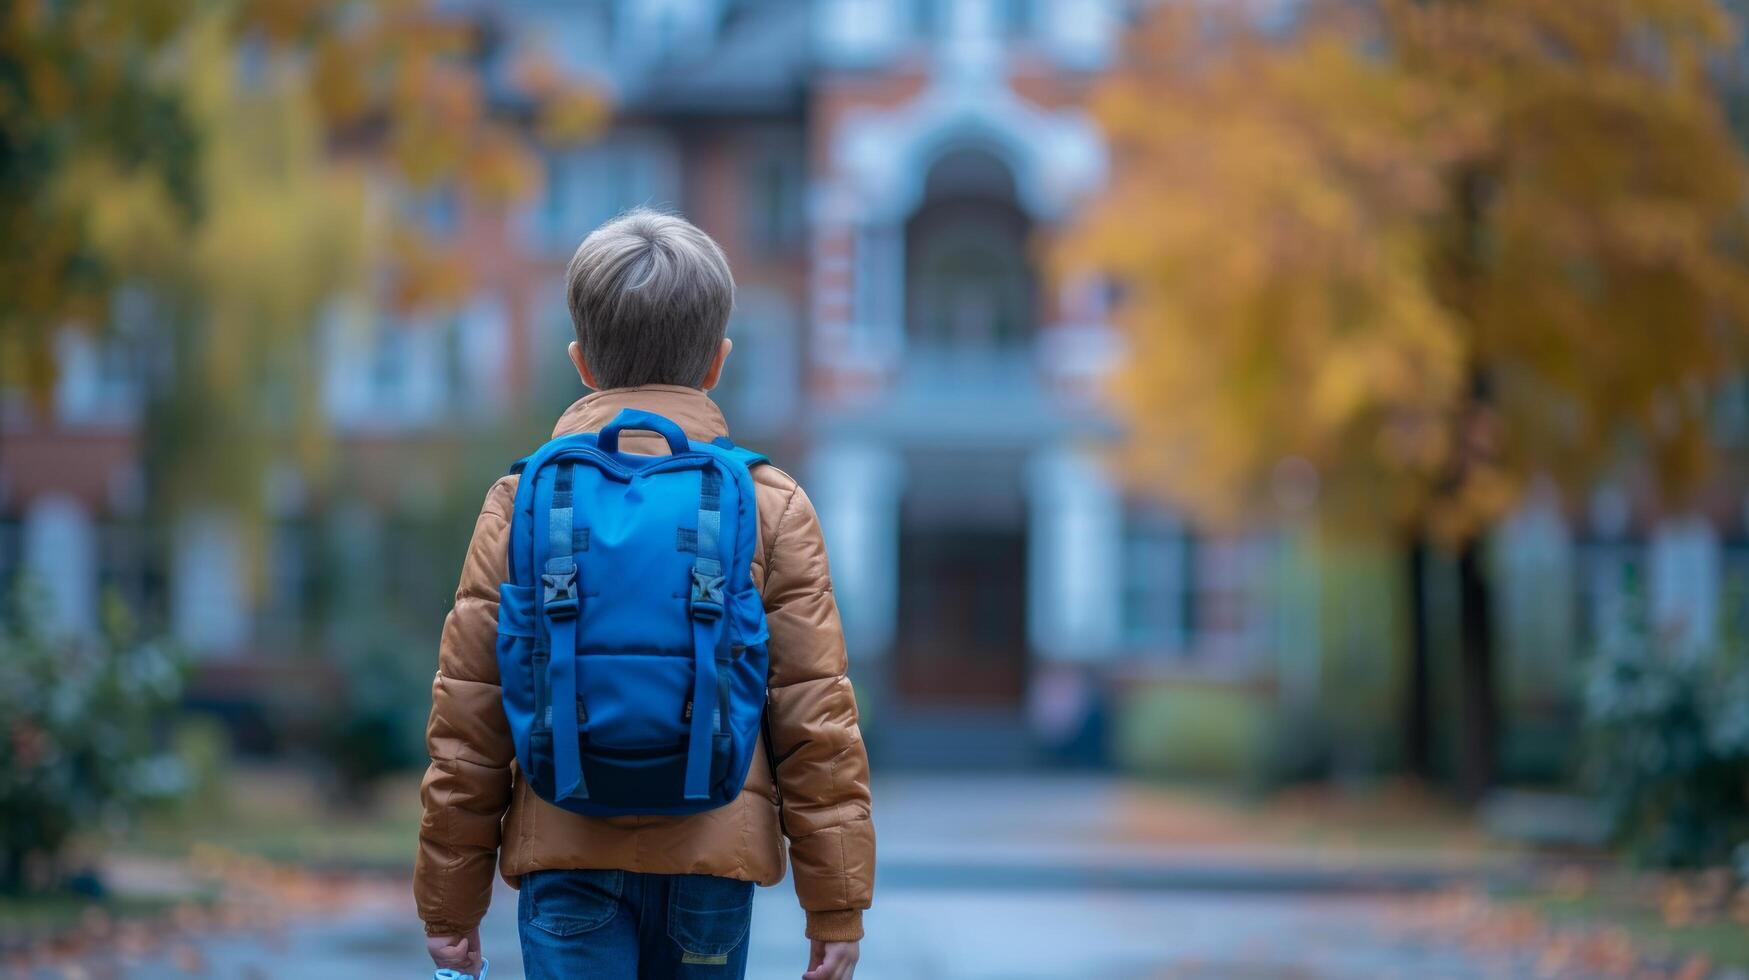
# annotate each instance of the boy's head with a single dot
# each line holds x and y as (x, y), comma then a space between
(650, 296)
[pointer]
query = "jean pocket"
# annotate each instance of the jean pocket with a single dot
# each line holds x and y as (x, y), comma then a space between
(572, 902)
(708, 916)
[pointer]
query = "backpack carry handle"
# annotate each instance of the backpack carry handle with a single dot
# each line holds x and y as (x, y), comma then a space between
(632, 418)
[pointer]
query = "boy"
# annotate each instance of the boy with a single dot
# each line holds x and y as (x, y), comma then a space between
(651, 896)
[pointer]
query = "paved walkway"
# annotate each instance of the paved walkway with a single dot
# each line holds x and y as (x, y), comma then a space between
(1014, 877)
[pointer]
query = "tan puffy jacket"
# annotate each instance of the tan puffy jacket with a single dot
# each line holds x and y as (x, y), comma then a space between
(478, 809)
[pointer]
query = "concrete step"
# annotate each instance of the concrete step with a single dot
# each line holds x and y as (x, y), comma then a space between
(960, 739)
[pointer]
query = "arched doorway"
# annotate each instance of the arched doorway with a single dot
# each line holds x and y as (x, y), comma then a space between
(970, 290)
(970, 312)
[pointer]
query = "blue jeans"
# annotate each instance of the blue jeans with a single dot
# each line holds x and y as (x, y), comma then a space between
(605, 925)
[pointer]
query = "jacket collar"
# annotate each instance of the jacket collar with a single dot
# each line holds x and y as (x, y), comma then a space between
(689, 408)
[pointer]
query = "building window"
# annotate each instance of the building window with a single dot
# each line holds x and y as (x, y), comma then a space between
(1234, 609)
(554, 378)
(759, 390)
(1193, 596)
(1016, 18)
(774, 202)
(1682, 576)
(210, 611)
(100, 377)
(660, 29)
(1157, 595)
(590, 184)
(928, 17)
(124, 565)
(388, 364)
(1612, 592)
(390, 373)
(60, 556)
(289, 600)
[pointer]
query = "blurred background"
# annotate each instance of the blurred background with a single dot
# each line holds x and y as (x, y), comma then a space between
(1284, 463)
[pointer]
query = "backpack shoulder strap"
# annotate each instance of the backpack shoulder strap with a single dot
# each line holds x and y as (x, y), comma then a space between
(746, 457)
(540, 456)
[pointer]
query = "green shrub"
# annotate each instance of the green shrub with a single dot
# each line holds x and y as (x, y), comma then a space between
(80, 727)
(1669, 749)
(1191, 730)
(375, 725)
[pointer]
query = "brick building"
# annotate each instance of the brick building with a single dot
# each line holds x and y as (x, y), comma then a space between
(881, 175)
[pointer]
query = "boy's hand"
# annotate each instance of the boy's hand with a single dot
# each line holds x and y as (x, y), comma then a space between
(831, 961)
(460, 953)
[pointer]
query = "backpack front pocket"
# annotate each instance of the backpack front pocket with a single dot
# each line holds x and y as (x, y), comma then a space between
(636, 720)
(634, 700)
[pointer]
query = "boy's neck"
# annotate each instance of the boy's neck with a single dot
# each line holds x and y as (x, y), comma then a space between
(690, 408)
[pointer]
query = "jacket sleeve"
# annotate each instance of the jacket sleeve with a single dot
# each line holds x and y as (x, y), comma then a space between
(467, 788)
(821, 766)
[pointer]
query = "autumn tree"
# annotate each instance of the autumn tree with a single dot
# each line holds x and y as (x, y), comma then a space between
(1437, 250)
(230, 169)
(81, 102)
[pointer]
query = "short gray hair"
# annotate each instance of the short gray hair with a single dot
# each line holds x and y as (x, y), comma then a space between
(650, 296)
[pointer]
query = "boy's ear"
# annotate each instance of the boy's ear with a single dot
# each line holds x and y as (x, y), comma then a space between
(583, 372)
(716, 371)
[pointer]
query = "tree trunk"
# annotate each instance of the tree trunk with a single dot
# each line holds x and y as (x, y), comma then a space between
(1462, 260)
(1478, 718)
(1418, 705)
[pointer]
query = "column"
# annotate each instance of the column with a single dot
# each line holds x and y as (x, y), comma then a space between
(856, 489)
(1075, 557)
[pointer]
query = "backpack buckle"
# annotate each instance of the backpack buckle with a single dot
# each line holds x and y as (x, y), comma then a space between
(560, 582)
(706, 602)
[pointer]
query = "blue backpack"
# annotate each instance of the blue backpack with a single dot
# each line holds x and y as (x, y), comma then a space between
(631, 641)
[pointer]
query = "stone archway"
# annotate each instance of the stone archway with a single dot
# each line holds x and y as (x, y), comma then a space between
(970, 319)
(970, 288)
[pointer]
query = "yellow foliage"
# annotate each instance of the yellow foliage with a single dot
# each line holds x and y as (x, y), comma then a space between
(130, 216)
(427, 272)
(83, 111)
(138, 122)
(285, 231)
(1433, 252)
(240, 163)
(568, 113)
(237, 165)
